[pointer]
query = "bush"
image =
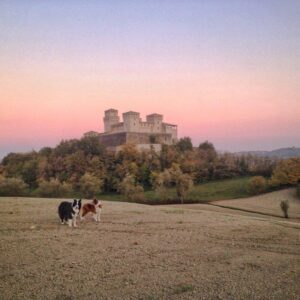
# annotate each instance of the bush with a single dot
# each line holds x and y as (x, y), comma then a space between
(184, 183)
(257, 185)
(160, 182)
(284, 205)
(131, 190)
(12, 187)
(90, 185)
(184, 144)
(287, 172)
(53, 188)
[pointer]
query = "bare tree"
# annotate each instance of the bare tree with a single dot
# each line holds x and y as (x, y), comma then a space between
(284, 205)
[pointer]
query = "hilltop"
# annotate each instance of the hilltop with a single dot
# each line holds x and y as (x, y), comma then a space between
(277, 153)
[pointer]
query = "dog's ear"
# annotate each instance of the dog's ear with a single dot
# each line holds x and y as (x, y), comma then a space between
(95, 201)
(79, 200)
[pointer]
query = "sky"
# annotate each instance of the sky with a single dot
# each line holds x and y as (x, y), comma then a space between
(224, 71)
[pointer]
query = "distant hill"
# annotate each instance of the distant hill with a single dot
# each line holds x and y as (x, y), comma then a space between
(279, 153)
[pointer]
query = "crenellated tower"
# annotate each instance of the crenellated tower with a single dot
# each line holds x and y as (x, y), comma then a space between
(110, 118)
(131, 121)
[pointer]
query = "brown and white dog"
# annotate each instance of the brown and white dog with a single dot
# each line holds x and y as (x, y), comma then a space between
(95, 208)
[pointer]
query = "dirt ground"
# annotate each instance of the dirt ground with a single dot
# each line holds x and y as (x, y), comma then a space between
(146, 252)
(268, 203)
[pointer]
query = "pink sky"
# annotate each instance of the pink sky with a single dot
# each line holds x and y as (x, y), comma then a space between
(220, 76)
(231, 112)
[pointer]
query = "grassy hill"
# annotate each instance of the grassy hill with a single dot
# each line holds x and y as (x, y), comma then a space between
(217, 190)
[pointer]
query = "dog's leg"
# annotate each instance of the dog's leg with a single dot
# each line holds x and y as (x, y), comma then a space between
(95, 217)
(81, 217)
(74, 221)
(70, 222)
(98, 215)
(82, 214)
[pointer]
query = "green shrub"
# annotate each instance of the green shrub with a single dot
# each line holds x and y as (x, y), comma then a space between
(12, 187)
(131, 190)
(257, 185)
(90, 185)
(53, 188)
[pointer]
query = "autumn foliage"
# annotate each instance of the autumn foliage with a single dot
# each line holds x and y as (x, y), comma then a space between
(257, 185)
(287, 172)
(85, 168)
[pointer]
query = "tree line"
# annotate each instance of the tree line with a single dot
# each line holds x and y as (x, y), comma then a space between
(85, 167)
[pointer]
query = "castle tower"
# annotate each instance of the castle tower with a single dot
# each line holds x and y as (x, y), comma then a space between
(131, 121)
(110, 118)
(156, 120)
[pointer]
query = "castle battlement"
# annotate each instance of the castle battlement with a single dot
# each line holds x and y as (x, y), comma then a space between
(134, 130)
(132, 122)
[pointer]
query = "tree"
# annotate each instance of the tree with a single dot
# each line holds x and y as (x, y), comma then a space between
(130, 189)
(207, 151)
(45, 151)
(183, 182)
(206, 146)
(14, 163)
(128, 152)
(91, 145)
(12, 187)
(66, 147)
(75, 165)
(184, 144)
(257, 185)
(183, 185)
(53, 188)
(284, 205)
(160, 182)
(287, 172)
(29, 172)
(143, 175)
(168, 155)
(96, 166)
(90, 185)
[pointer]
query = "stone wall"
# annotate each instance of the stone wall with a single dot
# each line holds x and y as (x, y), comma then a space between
(140, 147)
(116, 139)
(148, 138)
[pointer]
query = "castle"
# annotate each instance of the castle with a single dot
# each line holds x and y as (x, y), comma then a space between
(133, 130)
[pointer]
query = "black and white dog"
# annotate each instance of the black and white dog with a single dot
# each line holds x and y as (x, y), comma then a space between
(69, 211)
